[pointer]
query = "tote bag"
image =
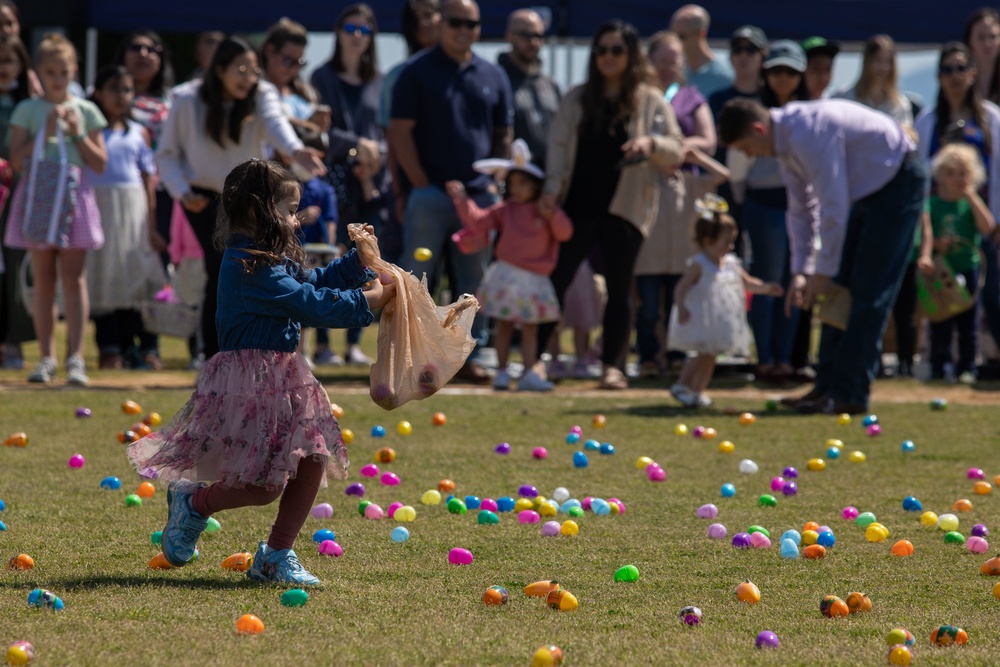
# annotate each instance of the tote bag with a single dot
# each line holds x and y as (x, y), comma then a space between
(48, 195)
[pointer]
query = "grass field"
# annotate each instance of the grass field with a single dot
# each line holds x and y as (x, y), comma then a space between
(384, 603)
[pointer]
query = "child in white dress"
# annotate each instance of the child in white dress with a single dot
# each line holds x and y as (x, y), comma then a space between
(709, 312)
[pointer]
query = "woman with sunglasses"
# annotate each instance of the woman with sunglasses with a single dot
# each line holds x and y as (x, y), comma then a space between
(216, 122)
(962, 115)
(610, 140)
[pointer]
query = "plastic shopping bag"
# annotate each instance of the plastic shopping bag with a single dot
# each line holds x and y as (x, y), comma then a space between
(420, 345)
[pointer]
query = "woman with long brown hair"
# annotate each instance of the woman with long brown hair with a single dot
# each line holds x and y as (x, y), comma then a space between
(878, 85)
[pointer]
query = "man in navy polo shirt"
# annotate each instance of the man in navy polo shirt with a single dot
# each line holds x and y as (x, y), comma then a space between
(449, 108)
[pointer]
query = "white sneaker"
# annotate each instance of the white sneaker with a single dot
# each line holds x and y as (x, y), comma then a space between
(684, 396)
(532, 381)
(703, 401)
(44, 371)
(356, 357)
(501, 381)
(76, 371)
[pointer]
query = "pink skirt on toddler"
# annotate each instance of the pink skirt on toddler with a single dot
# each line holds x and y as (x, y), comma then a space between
(254, 415)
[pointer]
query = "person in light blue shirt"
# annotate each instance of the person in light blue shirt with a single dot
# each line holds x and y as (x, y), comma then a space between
(704, 71)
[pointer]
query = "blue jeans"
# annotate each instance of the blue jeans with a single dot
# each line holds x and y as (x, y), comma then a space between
(877, 247)
(967, 324)
(773, 333)
(429, 223)
(648, 289)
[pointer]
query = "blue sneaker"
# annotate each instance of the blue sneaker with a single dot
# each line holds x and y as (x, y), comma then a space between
(279, 566)
(184, 525)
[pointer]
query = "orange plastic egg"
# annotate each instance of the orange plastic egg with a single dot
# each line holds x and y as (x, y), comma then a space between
(337, 411)
(996, 480)
(21, 562)
(748, 418)
(962, 505)
(991, 567)
(145, 490)
(709, 433)
(141, 430)
(902, 548)
(248, 624)
(833, 607)
(388, 455)
(446, 486)
(748, 592)
(495, 595)
(811, 525)
(858, 602)
(238, 562)
(439, 419)
(814, 551)
(540, 589)
(131, 408)
(600, 421)
(982, 488)
(16, 440)
(946, 635)
(159, 562)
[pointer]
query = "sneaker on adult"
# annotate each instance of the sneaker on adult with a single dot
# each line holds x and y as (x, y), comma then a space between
(281, 567)
(76, 371)
(184, 525)
(703, 401)
(356, 357)
(684, 395)
(501, 381)
(532, 381)
(327, 357)
(44, 371)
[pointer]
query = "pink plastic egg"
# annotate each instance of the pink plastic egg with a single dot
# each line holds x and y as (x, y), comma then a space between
(759, 540)
(577, 429)
(977, 545)
(370, 470)
(656, 474)
(390, 479)
(975, 473)
(698, 431)
(777, 483)
(874, 430)
(551, 528)
(585, 504)
(392, 509)
(540, 452)
(488, 504)
(331, 548)
(850, 513)
(77, 461)
(717, 531)
(459, 556)
(374, 512)
(528, 516)
(322, 511)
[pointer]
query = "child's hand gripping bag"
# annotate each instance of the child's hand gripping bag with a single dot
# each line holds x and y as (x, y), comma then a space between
(420, 345)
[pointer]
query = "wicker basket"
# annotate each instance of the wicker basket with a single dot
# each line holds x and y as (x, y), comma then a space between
(170, 319)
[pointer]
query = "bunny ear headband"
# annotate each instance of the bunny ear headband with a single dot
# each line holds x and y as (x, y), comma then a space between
(709, 206)
(520, 160)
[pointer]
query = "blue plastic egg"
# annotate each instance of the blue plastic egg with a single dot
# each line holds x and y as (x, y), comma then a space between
(728, 490)
(607, 448)
(572, 438)
(472, 502)
(572, 502)
(323, 535)
(908, 446)
(592, 445)
(792, 535)
(789, 549)
(833, 453)
(911, 504)
(870, 420)
(111, 483)
(44, 599)
(378, 431)
(580, 460)
(600, 507)
(2, 506)
(826, 539)
(505, 504)
(400, 534)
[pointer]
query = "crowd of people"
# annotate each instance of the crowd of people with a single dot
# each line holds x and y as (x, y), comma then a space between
(605, 213)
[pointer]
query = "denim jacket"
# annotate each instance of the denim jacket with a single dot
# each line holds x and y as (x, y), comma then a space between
(266, 309)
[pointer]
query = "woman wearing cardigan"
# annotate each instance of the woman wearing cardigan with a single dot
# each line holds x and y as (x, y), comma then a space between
(610, 140)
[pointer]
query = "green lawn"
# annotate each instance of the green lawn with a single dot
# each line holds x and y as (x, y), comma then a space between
(403, 604)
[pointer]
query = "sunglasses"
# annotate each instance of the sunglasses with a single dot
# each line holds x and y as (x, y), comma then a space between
(457, 23)
(357, 30)
(748, 49)
(145, 48)
(529, 36)
(946, 70)
(616, 50)
(293, 62)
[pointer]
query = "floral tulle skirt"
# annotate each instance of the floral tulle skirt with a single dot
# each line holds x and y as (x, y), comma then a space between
(254, 415)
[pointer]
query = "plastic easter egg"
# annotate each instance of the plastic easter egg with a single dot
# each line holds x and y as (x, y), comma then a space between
(747, 592)
(789, 549)
(865, 519)
(561, 600)
(760, 541)
(607, 448)
(902, 548)
(777, 483)
(540, 453)
(347, 435)
(977, 545)
(982, 488)
(551, 529)
(592, 445)
(929, 519)
(727, 447)
(580, 460)
(900, 654)
(322, 535)
(570, 504)
(708, 511)
(627, 573)
(858, 602)
(331, 548)
(599, 421)
(385, 455)
(83, 413)
(575, 512)
(19, 653)
(540, 589)
(771, 405)
(456, 506)
(369, 470)
(548, 508)
(322, 511)
(431, 497)
(954, 537)
(767, 639)
(962, 505)
(378, 431)
(127, 437)
(145, 491)
(131, 408)
(527, 491)
(869, 420)
(790, 489)
(709, 433)
(77, 461)
(16, 440)
(857, 457)
(809, 537)
(728, 490)
(355, 489)
(655, 473)
(569, 528)
(748, 419)
(523, 504)
(156, 537)
(996, 591)
(374, 513)
(600, 507)
(572, 438)
(43, 599)
(690, 615)
(472, 502)
(248, 624)
(399, 534)
(642, 462)
(212, 525)
(900, 636)
(505, 504)
(576, 428)
(741, 541)
(295, 597)
(833, 607)
(423, 254)
(907, 447)
(810, 525)
(816, 465)
(975, 473)
(238, 562)
(790, 473)
(979, 530)
(132, 500)
(938, 404)
(560, 494)
(549, 655)
(159, 562)
(141, 430)
(748, 467)
(792, 535)
(487, 518)
(681, 429)
(873, 430)
(404, 428)
(698, 431)
(717, 531)
(495, 596)
(111, 483)
(946, 635)
(814, 551)
(389, 479)
(487, 504)
(849, 513)
(876, 533)
(767, 500)
(833, 453)
(528, 516)
(948, 522)
(911, 504)
(826, 539)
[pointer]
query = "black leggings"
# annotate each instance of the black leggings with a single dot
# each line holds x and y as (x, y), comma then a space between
(619, 242)
(203, 224)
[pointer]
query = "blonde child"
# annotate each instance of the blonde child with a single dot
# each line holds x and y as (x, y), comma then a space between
(952, 223)
(709, 313)
(258, 425)
(80, 123)
(516, 289)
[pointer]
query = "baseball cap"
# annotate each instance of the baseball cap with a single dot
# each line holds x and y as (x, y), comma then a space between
(752, 34)
(820, 46)
(787, 53)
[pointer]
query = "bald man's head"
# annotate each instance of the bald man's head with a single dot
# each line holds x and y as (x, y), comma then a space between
(693, 15)
(462, 5)
(525, 34)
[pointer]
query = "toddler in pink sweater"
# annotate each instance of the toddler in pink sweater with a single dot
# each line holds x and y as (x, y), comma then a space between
(515, 290)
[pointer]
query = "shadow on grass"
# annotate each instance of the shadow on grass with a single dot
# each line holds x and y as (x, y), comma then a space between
(99, 581)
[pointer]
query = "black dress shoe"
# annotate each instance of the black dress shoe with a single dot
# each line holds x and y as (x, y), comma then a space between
(793, 401)
(814, 405)
(830, 406)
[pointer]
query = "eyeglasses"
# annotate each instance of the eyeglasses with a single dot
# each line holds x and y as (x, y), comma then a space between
(783, 71)
(456, 23)
(293, 62)
(358, 30)
(748, 49)
(946, 70)
(615, 50)
(155, 49)
(530, 36)
(249, 71)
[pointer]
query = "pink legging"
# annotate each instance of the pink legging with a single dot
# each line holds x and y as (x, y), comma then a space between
(293, 510)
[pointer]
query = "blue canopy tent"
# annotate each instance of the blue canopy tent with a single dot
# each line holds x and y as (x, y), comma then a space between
(915, 21)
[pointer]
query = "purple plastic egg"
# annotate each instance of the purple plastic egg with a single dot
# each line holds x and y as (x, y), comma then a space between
(356, 489)
(370, 470)
(790, 488)
(975, 473)
(540, 453)
(741, 540)
(850, 513)
(767, 639)
(527, 491)
(777, 483)
(717, 531)
(551, 528)
(790, 472)
(980, 530)
(390, 479)
(824, 529)
(698, 431)
(708, 511)
(528, 516)
(488, 504)
(759, 540)
(873, 430)
(460, 557)
(503, 448)
(392, 509)
(331, 548)
(322, 511)
(83, 412)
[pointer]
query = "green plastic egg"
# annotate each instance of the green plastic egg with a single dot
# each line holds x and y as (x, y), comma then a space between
(767, 500)
(487, 517)
(759, 529)
(456, 506)
(156, 538)
(132, 500)
(954, 537)
(627, 573)
(575, 512)
(294, 598)
(213, 525)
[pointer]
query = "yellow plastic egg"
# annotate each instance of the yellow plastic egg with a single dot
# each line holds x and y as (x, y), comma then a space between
(876, 533)
(431, 497)
(809, 537)
(422, 254)
(844, 419)
(347, 435)
(681, 429)
(547, 509)
(537, 501)
(404, 428)
(833, 442)
(857, 457)
(929, 519)
(996, 591)
(727, 447)
(816, 465)
(642, 462)
(571, 527)
(523, 504)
